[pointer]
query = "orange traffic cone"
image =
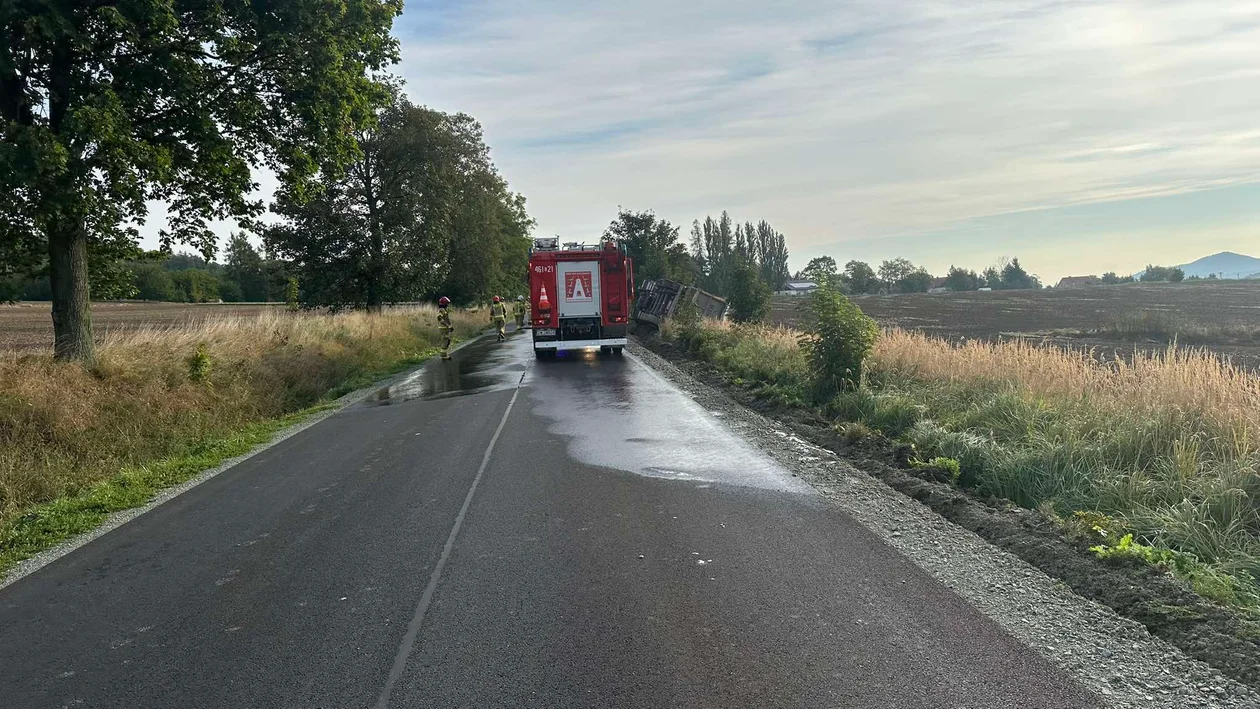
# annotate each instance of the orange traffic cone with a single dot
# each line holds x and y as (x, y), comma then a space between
(544, 303)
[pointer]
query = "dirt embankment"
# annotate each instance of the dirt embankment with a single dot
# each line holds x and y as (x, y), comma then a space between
(1218, 636)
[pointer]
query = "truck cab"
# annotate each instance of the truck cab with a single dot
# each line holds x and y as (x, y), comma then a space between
(580, 295)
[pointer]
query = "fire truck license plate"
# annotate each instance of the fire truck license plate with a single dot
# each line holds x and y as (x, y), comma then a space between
(544, 332)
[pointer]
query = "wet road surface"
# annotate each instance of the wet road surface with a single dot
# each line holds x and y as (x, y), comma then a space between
(497, 531)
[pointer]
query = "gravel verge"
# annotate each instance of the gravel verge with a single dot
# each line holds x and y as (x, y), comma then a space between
(1116, 657)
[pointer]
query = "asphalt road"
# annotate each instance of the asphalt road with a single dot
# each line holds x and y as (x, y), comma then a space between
(500, 532)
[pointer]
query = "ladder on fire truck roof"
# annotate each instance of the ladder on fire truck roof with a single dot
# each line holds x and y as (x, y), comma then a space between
(552, 243)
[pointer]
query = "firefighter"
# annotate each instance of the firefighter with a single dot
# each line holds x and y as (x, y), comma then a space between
(498, 315)
(521, 310)
(444, 324)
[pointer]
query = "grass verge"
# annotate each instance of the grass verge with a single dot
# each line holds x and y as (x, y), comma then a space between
(165, 403)
(1153, 461)
(50, 524)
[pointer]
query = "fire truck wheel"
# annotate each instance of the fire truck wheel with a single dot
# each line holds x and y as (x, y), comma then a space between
(617, 351)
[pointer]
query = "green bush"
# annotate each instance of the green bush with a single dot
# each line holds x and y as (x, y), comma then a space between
(199, 363)
(195, 286)
(748, 295)
(686, 320)
(838, 342)
(10, 289)
(153, 282)
(291, 294)
(230, 291)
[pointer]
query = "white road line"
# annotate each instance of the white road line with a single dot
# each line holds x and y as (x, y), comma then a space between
(409, 640)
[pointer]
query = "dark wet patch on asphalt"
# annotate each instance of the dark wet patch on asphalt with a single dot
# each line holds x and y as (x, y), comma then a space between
(481, 366)
(615, 412)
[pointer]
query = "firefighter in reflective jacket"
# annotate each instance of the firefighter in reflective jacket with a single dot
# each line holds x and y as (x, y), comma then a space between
(521, 309)
(498, 315)
(444, 324)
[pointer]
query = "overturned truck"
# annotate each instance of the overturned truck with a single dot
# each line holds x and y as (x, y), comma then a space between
(660, 299)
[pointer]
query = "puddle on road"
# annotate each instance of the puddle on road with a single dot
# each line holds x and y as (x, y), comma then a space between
(616, 413)
(485, 365)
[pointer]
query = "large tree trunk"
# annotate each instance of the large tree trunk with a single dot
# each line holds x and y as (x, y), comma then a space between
(67, 237)
(72, 310)
(376, 268)
(376, 249)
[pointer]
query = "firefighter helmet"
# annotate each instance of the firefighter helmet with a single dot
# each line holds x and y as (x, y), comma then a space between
(496, 299)
(520, 298)
(444, 301)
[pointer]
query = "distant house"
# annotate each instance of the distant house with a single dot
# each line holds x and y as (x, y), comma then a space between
(939, 285)
(798, 288)
(1077, 281)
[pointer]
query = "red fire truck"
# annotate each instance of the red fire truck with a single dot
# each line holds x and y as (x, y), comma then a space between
(580, 296)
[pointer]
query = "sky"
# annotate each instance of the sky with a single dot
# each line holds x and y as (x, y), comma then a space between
(1081, 137)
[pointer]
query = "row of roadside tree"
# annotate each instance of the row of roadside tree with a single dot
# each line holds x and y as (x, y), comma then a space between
(900, 275)
(742, 262)
(106, 111)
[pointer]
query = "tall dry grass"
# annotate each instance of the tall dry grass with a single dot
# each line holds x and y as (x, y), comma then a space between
(1178, 378)
(1165, 445)
(160, 391)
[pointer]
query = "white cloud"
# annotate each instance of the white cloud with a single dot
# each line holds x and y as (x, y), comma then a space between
(844, 122)
(849, 121)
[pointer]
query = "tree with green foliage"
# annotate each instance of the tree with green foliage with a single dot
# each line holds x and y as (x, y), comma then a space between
(992, 278)
(713, 242)
(107, 106)
(11, 288)
(893, 271)
(423, 205)
(770, 252)
(821, 271)
(193, 285)
(749, 296)
(153, 281)
(244, 268)
(961, 279)
(917, 281)
(1162, 274)
(838, 339)
(489, 248)
(718, 247)
(859, 277)
(1110, 278)
(229, 291)
(1014, 277)
(652, 243)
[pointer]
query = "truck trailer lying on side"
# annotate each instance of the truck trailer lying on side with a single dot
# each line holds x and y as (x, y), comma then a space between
(660, 299)
(580, 296)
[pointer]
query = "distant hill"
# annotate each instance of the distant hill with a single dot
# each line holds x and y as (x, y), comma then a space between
(1226, 264)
